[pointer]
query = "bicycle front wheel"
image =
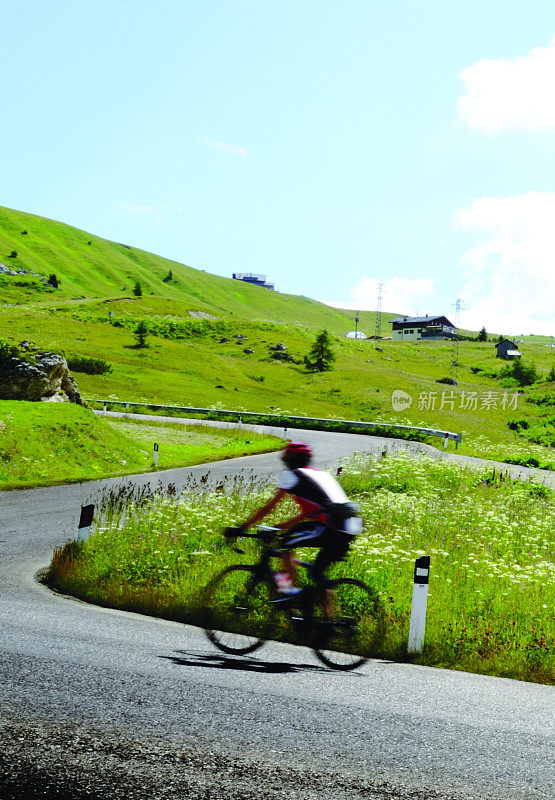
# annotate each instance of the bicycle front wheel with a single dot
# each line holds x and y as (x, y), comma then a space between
(237, 611)
(345, 638)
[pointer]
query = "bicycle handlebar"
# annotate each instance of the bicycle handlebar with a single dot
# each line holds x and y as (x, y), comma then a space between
(265, 532)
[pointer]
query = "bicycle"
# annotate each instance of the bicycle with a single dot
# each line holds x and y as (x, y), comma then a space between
(239, 615)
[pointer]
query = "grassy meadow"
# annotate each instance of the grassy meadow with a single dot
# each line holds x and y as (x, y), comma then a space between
(50, 443)
(492, 588)
(201, 370)
(189, 313)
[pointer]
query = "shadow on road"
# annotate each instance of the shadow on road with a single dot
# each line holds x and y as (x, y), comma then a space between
(216, 661)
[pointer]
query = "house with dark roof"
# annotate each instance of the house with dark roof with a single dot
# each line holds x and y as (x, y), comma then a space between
(425, 328)
(508, 350)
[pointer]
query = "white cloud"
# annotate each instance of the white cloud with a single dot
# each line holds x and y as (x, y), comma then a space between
(510, 274)
(400, 295)
(510, 93)
(234, 149)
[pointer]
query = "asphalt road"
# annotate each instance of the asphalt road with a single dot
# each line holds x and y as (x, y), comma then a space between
(104, 704)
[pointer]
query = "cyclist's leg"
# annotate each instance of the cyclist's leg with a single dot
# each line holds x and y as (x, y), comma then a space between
(288, 564)
(303, 535)
(335, 546)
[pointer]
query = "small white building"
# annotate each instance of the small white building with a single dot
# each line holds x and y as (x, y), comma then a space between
(355, 335)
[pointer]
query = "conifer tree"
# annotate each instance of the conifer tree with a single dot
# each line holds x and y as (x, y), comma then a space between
(141, 332)
(321, 356)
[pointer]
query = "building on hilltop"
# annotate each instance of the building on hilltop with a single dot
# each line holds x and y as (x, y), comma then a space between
(425, 328)
(507, 350)
(257, 280)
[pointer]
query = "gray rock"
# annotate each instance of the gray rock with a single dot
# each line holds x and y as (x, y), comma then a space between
(40, 376)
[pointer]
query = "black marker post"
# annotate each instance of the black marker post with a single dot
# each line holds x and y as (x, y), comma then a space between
(85, 522)
(419, 604)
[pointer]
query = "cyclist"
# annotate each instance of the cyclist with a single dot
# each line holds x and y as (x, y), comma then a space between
(327, 519)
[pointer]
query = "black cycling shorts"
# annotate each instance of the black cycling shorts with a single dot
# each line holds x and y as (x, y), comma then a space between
(334, 544)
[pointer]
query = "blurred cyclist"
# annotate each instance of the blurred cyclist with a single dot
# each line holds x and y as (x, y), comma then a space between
(327, 519)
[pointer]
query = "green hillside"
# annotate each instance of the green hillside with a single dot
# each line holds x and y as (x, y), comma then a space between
(90, 267)
(194, 357)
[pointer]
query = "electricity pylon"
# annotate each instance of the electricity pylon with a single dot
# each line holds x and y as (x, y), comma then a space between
(378, 329)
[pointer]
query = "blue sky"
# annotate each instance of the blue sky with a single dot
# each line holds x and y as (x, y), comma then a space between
(328, 145)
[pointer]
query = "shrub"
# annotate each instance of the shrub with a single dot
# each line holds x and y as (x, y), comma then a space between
(7, 352)
(547, 399)
(91, 366)
(525, 374)
(509, 383)
(138, 289)
(518, 424)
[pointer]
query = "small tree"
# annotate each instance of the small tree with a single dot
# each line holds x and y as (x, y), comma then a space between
(524, 373)
(482, 335)
(321, 356)
(53, 281)
(138, 289)
(551, 374)
(141, 332)
(169, 277)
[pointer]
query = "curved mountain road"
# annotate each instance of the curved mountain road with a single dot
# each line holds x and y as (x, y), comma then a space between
(98, 703)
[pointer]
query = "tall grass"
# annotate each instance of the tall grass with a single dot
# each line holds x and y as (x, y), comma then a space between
(490, 540)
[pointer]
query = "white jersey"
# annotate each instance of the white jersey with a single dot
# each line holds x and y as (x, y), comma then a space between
(315, 492)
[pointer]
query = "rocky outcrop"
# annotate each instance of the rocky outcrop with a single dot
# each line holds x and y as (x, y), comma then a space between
(28, 374)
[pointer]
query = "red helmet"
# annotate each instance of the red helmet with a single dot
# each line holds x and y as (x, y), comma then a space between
(296, 454)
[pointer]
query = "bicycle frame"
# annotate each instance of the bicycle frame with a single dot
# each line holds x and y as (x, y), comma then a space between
(309, 596)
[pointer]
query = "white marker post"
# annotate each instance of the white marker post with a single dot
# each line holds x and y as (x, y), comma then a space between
(104, 409)
(419, 604)
(285, 433)
(155, 454)
(85, 522)
(445, 440)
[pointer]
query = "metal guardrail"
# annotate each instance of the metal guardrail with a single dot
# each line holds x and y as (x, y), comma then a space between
(280, 419)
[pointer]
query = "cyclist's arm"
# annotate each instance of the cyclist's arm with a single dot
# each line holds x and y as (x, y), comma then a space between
(266, 509)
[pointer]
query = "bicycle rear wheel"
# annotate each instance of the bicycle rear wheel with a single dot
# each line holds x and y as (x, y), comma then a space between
(344, 641)
(237, 611)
